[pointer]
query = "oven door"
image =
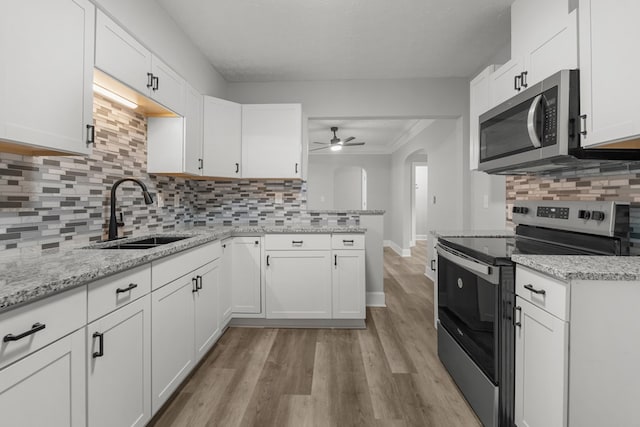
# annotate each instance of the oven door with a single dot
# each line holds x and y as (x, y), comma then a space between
(468, 306)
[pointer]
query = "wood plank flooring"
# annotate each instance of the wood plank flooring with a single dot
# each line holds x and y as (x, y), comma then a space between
(388, 374)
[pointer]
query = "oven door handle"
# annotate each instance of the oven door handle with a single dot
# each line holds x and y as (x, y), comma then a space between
(466, 262)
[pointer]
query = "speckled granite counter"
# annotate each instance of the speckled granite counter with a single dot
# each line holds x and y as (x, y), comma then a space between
(576, 267)
(347, 212)
(24, 279)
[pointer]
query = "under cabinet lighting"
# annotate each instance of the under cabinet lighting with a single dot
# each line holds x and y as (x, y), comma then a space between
(336, 147)
(114, 97)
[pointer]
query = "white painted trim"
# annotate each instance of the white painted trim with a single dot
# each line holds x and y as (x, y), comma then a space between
(421, 237)
(430, 275)
(397, 249)
(412, 243)
(376, 299)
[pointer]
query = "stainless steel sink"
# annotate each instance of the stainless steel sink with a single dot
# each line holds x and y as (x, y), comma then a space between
(148, 243)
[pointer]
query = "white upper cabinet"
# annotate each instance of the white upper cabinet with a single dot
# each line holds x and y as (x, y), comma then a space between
(46, 76)
(271, 141)
(544, 40)
(193, 156)
(222, 145)
(166, 145)
(121, 56)
(479, 102)
(609, 94)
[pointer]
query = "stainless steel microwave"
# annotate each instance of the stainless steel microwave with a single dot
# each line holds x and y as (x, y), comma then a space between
(538, 131)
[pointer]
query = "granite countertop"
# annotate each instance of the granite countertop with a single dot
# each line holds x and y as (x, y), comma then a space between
(578, 267)
(24, 279)
(347, 211)
(472, 233)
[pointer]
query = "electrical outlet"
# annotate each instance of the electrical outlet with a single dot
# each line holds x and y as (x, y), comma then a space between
(176, 200)
(279, 199)
(160, 200)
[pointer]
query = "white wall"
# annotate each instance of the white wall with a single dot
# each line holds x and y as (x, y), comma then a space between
(155, 29)
(421, 197)
(347, 187)
(320, 180)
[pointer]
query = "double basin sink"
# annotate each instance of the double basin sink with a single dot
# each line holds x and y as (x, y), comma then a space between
(148, 243)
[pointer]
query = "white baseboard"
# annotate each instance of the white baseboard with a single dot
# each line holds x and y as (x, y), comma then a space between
(397, 249)
(430, 275)
(421, 237)
(376, 299)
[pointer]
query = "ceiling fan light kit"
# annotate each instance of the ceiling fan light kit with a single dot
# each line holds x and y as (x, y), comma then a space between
(336, 144)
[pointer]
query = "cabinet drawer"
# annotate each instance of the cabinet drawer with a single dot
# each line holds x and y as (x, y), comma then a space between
(347, 241)
(275, 242)
(168, 269)
(60, 314)
(543, 291)
(116, 291)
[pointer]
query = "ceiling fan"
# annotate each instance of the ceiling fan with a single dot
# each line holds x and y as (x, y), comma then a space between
(336, 144)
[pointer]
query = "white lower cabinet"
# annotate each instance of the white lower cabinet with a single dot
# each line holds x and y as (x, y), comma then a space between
(119, 367)
(298, 284)
(207, 326)
(348, 284)
(46, 388)
(172, 337)
(225, 288)
(541, 367)
(247, 273)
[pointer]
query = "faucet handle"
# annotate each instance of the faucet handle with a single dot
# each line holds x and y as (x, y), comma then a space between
(121, 222)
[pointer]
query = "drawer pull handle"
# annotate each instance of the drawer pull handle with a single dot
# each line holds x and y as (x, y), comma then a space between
(335, 260)
(348, 242)
(297, 242)
(268, 261)
(534, 290)
(127, 289)
(198, 282)
(194, 282)
(100, 351)
(35, 328)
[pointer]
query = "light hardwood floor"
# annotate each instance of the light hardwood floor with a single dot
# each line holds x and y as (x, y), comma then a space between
(386, 375)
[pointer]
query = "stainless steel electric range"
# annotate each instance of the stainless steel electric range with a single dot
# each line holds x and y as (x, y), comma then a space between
(476, 296)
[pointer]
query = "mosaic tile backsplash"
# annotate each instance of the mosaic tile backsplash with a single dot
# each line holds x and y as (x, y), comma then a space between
(54, 202)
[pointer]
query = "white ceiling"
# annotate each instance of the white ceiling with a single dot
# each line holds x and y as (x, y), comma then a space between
(281, 40)
(381, 136)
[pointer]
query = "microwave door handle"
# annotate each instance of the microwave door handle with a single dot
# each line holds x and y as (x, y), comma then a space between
(531, 121)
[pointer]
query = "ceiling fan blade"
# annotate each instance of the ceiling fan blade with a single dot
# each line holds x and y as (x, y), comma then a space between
(321, 148)
(353, 144)
(323, 143)
(351, 138)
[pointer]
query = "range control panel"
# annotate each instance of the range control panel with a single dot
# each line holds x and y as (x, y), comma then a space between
(552, 212)
(604, 218)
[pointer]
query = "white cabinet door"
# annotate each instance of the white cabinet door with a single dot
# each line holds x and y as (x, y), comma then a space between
(121, 56)
(533, 21)
(46, 388)
(541, 368)
(348, 284)
(558, 52)
(222, 141)
(247, 294)
(298, 284)
(503, 81)
(168, 87)
(479, 102)
(609, 93)
(172, 337)
(46, 76)
(225, 300)
(207, 327)
(193, 131)
(166, 145)
(119, 376)
(271, 141)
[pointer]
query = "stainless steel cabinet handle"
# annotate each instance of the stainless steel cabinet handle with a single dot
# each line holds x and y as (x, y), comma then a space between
(583, 124)
(91, 135)
(35, 328)
(534, 290)
(433, 265)
(127, 289)
(100, 351)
